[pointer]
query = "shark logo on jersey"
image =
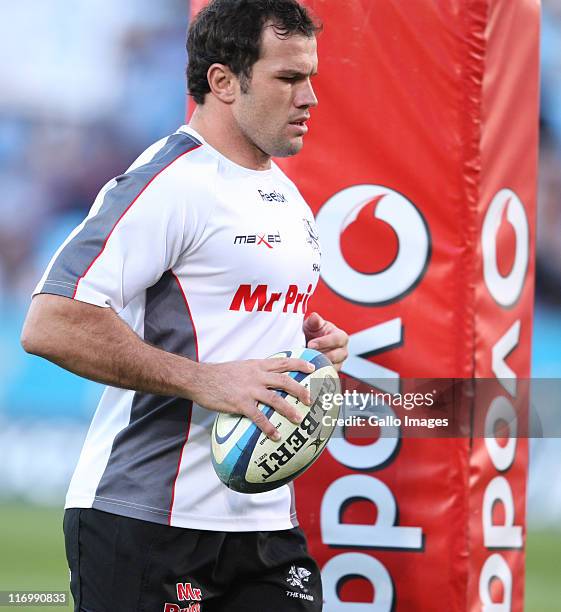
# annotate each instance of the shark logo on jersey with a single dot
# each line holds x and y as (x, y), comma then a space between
(312, 237)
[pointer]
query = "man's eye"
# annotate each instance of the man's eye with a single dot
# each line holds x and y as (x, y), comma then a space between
(291, 79)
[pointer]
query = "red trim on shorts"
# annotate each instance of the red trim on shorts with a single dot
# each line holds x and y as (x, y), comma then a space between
(179, 462)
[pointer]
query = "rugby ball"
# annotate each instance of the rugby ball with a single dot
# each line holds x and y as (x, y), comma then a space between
(247, 461)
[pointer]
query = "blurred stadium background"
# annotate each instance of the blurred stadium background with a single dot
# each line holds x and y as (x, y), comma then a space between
(83, 91)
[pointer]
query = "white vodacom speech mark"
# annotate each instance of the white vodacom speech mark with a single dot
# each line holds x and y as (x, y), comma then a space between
(412, 234)
(505, 290)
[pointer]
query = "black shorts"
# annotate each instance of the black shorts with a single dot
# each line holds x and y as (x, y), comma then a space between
(120, 564)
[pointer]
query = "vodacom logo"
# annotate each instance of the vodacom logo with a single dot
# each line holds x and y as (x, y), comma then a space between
(505, 249)
(505, 286)
(384, 244)
(384, 251)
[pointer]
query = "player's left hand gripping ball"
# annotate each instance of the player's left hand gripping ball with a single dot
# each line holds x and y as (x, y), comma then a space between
(247, 461)
(327, 338)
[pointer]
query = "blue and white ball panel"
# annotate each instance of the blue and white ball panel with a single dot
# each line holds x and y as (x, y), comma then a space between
(249, 462)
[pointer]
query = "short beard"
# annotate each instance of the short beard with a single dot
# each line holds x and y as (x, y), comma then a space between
(288, 150)
(276, 149)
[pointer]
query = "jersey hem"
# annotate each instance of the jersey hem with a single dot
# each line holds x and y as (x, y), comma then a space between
(185, 520)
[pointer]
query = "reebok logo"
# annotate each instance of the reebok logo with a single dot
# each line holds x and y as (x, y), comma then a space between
(273, 196)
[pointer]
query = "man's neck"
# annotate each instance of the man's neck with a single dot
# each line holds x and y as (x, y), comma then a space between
(222, 133)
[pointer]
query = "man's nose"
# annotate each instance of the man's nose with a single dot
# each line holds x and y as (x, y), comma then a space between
(306, 96)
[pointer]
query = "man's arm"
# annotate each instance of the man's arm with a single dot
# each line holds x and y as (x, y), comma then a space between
(95, 343)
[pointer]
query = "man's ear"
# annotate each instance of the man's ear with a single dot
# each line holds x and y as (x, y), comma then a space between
(223, 83)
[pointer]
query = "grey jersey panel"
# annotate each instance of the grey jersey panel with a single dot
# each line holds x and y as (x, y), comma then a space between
(140, 474)
(78, 255)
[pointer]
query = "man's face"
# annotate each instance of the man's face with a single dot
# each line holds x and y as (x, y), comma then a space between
(272, 113)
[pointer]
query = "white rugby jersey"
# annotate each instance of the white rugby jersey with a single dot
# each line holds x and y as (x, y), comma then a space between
(203, 258)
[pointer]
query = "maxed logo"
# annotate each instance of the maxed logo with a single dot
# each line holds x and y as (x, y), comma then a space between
(185, 592)
(267, 240)
(262, 299)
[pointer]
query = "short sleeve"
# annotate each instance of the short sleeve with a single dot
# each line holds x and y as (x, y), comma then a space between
(138, 227)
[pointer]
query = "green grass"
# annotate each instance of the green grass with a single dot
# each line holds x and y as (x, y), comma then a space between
(32, 552)
(32, 558)
(543, 571)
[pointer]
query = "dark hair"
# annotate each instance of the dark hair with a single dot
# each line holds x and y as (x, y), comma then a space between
(229, 32)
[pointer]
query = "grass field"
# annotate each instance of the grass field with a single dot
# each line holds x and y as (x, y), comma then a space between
(32, 558)
(543, 571)
(32, 552)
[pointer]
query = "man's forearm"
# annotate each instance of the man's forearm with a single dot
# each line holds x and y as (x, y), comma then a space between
(95, 343)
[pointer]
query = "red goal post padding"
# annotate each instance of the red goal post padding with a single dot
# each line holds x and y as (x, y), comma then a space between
(421, 168)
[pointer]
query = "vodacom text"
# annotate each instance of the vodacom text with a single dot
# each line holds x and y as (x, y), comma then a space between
(369, 289)
(505, 291)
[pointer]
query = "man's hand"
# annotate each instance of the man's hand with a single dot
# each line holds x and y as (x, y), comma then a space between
(327, 338)
(236, 387)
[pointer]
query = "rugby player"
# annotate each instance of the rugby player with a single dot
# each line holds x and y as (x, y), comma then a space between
(190, 268)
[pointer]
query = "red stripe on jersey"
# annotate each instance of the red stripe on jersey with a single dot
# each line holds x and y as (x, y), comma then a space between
(190, 315)
(125, 212)
(179, 462)
(191, 403)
